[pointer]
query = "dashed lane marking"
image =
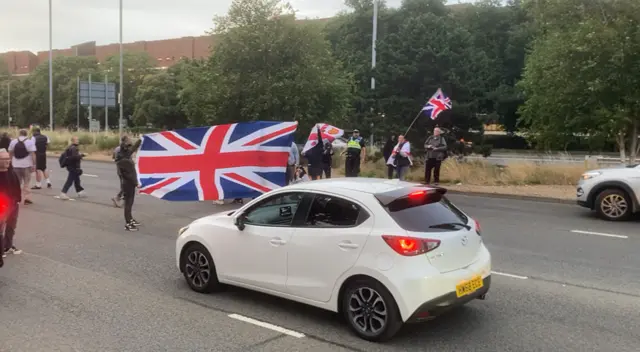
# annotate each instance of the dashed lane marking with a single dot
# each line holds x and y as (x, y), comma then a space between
(89, 175)
(599, 234)
(510, 275)
(266, 325)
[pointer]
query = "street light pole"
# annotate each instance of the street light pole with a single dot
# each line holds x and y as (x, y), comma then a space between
(373, 42)
(50, 66)
(121, 95)
(9, 103)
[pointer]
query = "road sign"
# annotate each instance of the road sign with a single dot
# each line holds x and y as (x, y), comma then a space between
(94, 126)
(98, 92)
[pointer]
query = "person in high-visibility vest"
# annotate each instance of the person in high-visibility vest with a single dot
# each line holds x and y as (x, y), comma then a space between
(356, 152)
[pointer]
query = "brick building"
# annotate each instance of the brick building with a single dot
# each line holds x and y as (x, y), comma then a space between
(165, 52)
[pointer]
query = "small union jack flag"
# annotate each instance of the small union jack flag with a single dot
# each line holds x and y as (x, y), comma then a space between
(437, 104)
(240, 160)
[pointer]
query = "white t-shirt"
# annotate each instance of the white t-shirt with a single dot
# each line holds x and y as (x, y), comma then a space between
(31, 148)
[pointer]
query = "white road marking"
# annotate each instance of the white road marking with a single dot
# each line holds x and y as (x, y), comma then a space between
(58, 197)
(510, 275)
(267, 325)
(89, 175)
(599, 234)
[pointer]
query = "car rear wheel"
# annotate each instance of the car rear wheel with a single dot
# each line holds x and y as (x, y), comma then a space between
(370, 310)
(199, 270)
(613, 205)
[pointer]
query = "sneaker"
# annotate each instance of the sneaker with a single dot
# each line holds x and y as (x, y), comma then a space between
(27, 202)
(36, 187)
(82, 194)
(130, 227)
(135, 223)
(64, 196)
(14, 250)
(218, 202)
(49, 185)
(116, 202)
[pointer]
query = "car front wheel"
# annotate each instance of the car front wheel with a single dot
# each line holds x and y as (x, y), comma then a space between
(613, 205)
(199, 270)
(371, 311)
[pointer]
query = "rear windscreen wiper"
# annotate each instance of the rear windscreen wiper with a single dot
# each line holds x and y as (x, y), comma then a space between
(449, 225)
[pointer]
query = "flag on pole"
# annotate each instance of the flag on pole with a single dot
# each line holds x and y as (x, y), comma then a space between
(437, 104)
(240, 160)
(329, 134)
(405, 149)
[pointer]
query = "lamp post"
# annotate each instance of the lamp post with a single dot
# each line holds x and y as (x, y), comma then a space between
(374, 39)
(121, 94)
(50, 65)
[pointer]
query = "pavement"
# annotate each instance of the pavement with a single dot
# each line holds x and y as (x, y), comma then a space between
(563, 281)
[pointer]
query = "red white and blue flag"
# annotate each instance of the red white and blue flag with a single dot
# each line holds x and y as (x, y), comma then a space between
(437, 104)
(240, 160)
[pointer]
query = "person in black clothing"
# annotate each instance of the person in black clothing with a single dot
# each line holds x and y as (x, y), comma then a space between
(11, 193)
(42, 173)
(72, 161)
(314, 157)
(129, 177)
(386, 152)
(327, 159)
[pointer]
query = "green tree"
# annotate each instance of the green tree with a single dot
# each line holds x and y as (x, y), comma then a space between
(268, 67)
(157, 102)
(583, 72)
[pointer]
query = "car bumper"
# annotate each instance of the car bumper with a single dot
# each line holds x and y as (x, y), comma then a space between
(444, 303)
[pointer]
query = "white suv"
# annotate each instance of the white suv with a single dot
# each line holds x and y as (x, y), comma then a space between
(613, 193)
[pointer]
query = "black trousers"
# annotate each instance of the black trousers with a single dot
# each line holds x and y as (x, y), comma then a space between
(129, 192)
(326, 169)
(120, 194)
(390, 170)
(73, 178)
(432, 165)
(352, 166)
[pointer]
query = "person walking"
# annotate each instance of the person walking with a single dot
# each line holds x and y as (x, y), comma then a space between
(292, 163)
(327, 159)
(436, 151)
(23, 160)
(117, 200)
(129, 180)
(10, 198)
(402, 153)
(42, 173)
(356, 153)
(387, 150)
(71, 160)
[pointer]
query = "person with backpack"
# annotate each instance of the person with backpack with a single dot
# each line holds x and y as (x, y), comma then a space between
(23, 153)
(71, 159)
(42, 142)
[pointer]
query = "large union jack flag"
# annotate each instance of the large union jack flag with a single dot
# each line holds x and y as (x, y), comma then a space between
(437, 104)
(240, 160)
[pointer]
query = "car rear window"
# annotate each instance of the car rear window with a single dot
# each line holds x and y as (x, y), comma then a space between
(422, 218)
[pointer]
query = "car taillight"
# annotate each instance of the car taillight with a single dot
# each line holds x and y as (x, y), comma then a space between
(410, 246)
(478, 228)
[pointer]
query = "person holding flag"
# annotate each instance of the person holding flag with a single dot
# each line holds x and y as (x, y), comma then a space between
(401, 158)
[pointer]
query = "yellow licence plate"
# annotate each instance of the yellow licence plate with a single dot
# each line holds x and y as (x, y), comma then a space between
(470, 286)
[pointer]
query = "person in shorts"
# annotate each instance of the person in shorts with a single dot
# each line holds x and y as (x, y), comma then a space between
(23, 153)
(42, 142)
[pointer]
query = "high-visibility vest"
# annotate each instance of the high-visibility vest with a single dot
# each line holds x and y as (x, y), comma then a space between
(354, 143)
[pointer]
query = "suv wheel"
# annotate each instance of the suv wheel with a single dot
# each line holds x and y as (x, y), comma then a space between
(371, 311)
(613, 205)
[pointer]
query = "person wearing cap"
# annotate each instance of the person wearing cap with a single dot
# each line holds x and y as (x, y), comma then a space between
(356, 152)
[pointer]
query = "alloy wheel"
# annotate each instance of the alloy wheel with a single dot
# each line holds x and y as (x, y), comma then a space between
(368, 311)
(614, 206)
(198, 269)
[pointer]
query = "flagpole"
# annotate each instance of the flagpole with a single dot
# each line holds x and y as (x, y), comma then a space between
(414, 121)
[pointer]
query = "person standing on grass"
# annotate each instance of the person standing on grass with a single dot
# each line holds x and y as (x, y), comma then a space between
(402, 155)
(292, 163)
(314, 157)
(436, 151)
(23, 152)
(327, 159)
(72, 159)
(386, 153)
(129, 179)
(42, 142)
(356, 155)
(11, 196)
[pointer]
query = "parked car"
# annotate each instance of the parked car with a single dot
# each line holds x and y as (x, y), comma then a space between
(380, 252)
(613, 193)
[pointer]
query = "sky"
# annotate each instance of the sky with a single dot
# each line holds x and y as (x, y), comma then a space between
(24, 24)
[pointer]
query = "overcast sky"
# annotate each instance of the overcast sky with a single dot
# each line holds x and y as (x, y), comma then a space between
(24, 23)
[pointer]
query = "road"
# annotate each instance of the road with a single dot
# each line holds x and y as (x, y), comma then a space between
(561, 283)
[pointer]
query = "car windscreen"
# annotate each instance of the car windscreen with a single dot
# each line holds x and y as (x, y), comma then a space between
(431, 217)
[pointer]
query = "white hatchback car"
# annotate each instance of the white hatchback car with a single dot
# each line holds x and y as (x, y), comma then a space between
(380, 252)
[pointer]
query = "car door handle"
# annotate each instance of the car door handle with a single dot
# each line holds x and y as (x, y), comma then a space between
(348, 245)
(277, 242)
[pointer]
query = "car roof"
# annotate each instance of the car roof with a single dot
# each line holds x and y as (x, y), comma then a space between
(358, 184)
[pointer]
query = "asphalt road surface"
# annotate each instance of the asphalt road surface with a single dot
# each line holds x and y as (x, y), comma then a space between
(563, 281)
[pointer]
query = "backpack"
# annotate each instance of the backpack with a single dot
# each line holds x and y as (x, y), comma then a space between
(63, 159)
(20, 150)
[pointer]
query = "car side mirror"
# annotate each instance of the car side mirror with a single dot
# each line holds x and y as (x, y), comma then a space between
(239, 222)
